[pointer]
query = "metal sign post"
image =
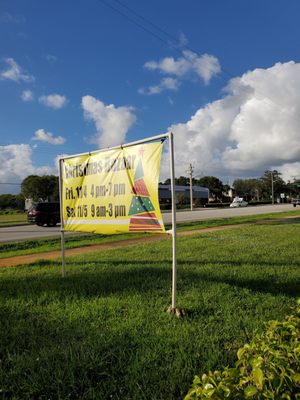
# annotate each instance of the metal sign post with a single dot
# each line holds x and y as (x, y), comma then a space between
(169, 135)
(62, 232)
(174, 262)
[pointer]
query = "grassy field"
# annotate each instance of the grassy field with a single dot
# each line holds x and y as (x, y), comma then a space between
(13, 218)
(25, 247)
(103, 333)
(44, 245)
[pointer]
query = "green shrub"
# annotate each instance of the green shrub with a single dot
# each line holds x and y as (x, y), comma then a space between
(267, 368)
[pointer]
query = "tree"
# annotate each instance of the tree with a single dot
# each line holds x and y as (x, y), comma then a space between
(247, 188)
(279, 185)
(20, 201)
(50, 183)
(214, 185)
(182, 180)
(12, 201)
(44, 188)
(293, 188)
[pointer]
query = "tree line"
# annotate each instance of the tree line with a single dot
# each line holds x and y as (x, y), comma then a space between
(256, 189)
(46, 188)
(34, 187)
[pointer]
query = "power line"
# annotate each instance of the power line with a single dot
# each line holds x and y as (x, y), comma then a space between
(134, 21)
(148, 21)
(175, 46)
(175, 41)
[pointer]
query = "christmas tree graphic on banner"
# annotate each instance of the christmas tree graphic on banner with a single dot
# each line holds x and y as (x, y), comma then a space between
(142, 212)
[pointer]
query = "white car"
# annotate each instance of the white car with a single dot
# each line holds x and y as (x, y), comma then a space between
(238, 202)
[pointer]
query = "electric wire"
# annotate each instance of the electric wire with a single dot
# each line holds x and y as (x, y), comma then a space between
(134, 21)
(149, 22)
(177, 46)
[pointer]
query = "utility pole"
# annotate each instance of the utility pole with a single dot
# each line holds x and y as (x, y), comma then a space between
(272, 186)
(190, 172)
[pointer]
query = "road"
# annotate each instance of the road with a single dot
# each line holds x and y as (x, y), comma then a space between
(16, 233)
(213, 213)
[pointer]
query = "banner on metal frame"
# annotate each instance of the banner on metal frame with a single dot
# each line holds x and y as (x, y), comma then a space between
(113, 191)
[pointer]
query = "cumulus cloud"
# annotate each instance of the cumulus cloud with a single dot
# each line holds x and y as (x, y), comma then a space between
(189, 65)
(14, 72)
(112, 123)
(16, 162)
(290, 171)
(165, 83)
(27, 95)
(254, 127)
(55, 101)
(48, 137)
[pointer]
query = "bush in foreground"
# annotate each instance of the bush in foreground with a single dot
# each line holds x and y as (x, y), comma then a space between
(267, 368)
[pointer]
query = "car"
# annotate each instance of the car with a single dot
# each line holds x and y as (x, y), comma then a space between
(238, 202)
(44, 213)
(296, 202)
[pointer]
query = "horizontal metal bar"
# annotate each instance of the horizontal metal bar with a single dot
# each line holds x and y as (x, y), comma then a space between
(150, 139)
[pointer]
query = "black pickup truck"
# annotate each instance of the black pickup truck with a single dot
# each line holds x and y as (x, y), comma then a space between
(296, 202)
(44, 213)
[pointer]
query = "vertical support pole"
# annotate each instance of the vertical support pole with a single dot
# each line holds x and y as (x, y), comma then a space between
(62, 232)
(63, 262)
(191, 186)
(174, 266)
(272, 187)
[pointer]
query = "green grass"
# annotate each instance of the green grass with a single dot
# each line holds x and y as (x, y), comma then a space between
(44, 245)
(12, 219)
(186, 226)
(103, 333)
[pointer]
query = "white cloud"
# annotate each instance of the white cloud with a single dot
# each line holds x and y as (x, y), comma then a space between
(16, 162)
(188, 66)
(170, 66)
(205, 66)
(27, 95)
(290, 171)
(55, 101)
(254, 127)
(48, 137)
(183, 41)
(14, 72)
(51, 58)
(165, 83)
(112, 123)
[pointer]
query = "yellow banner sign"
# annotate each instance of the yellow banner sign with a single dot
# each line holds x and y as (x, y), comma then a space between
(113, 191)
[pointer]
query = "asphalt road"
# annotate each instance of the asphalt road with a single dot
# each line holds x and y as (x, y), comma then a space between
(16, 233)
(212, 213)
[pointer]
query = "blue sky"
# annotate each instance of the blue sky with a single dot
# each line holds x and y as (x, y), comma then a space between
(222, 75)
